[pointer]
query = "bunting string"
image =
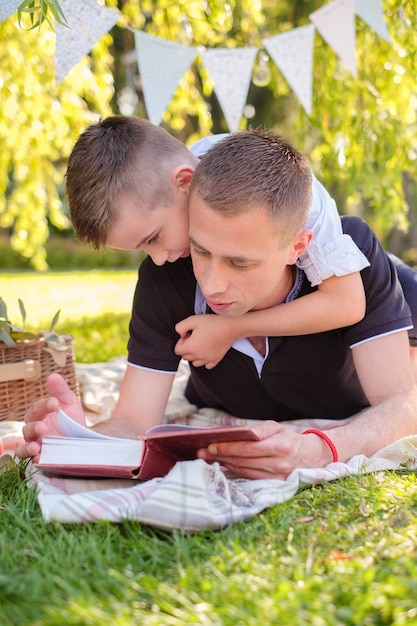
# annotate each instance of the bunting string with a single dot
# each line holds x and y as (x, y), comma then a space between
(163, 63)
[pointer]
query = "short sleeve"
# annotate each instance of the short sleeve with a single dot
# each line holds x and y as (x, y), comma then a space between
(152, 335)
(331, 252)
(200, 147)
(386, 308)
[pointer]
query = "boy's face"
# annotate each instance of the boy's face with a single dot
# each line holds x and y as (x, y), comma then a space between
(239, 261)
(162, 233)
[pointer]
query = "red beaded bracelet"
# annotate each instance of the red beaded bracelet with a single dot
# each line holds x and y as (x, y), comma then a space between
(327, 439)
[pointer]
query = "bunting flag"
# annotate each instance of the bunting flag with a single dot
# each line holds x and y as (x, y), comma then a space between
(292, 52)
(8, 8)
(336, 24)
(88, 22)
(371, 12)
(162, 64)
(230, 70)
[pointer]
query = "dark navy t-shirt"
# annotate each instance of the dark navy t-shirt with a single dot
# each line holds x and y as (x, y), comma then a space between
(309, 376)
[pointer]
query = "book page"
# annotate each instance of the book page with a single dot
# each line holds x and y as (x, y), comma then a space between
(70, 428)
(63, 451)
(168, 428)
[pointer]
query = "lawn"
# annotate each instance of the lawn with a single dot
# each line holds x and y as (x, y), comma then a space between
(341, 553)
(94, 307)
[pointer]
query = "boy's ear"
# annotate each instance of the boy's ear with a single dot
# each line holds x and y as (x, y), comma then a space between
(181, 177)
(299, 245)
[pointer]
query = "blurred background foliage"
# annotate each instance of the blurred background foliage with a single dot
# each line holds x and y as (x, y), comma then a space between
(361, 138)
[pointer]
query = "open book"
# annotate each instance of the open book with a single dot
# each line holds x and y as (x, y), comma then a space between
(84, 452)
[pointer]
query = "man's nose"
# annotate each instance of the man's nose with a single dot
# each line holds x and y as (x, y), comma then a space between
(213, 280)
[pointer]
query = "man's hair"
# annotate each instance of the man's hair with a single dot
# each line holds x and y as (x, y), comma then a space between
(256, 169)
(119, 157)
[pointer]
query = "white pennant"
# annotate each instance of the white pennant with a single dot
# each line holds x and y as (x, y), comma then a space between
(230, 70)
(371, 12)
(336, 24)
(88, 22)
(8, 8)
(162, 64)
(292, 52)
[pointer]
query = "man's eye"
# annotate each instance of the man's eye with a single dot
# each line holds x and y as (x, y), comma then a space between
(199, 251)
(240, 266)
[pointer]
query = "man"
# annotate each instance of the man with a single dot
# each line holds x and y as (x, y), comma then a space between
(248, 204)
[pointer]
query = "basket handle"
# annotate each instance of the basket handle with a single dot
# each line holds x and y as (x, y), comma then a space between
(27, 370)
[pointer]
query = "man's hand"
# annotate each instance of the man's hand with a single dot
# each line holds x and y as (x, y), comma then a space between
(204, 339)
(40, 418)
(278, 453)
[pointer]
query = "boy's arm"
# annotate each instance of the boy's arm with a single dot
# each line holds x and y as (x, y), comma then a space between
(338, 302)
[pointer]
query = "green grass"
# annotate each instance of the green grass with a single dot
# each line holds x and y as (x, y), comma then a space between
(343, 553)
(77, 294)
(94, 307)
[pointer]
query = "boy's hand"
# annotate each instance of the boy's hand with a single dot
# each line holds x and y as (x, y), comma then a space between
(204, 339)
(40, 417)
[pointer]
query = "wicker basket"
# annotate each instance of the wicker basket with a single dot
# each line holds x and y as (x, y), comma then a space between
(24, 370)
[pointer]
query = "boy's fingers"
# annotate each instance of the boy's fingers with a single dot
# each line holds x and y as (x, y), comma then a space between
(183, 327)
(212, 364)
(179, 347)
(198, 363)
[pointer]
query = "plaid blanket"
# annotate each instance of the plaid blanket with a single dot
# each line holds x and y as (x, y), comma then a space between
(194, 495)
(197, 496)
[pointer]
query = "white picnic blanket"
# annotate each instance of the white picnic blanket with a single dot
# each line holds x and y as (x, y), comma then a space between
(194, 495)
(198, 496)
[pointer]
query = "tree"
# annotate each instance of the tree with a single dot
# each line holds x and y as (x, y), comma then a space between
(38, 126)
(361, 137)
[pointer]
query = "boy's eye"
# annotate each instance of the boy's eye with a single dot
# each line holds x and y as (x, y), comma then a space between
(153, 239)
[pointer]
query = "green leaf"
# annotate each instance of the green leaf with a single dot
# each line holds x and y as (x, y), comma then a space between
(55, 320)
(22, 310)
(57, 12)
(3, 309)
(55, 341)
(28, 6)
(5, 336)
(40, 8)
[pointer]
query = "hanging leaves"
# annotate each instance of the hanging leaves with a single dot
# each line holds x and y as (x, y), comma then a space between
(38, 12)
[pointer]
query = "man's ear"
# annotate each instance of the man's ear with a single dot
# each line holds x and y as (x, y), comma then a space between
(181, 177)
(299, 245)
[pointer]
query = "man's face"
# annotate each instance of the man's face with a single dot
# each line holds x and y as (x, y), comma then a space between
(162, 233)
(239, 261)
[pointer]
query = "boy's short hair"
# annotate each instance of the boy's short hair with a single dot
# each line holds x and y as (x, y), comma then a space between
(257, 169)
(119, 156)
